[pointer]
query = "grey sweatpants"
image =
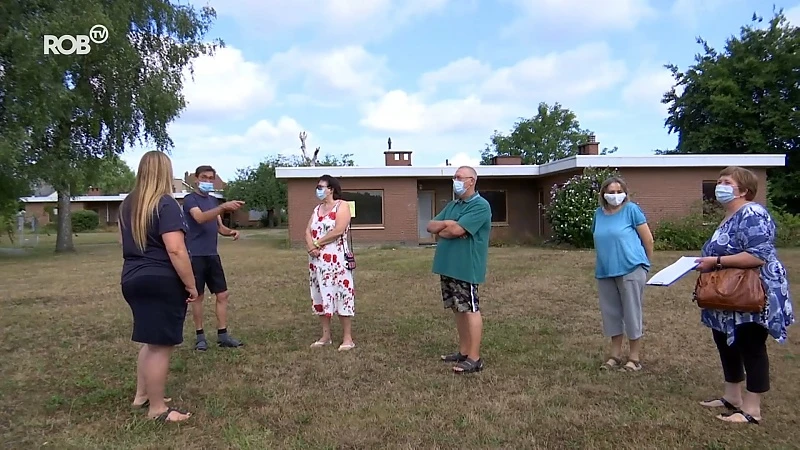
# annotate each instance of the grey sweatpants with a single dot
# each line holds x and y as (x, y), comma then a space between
(621, 304)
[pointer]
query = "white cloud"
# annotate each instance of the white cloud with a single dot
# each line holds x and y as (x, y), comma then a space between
(495, 95)
(647, 88)
(227, 84)
(196, 145)
(691, 11)
(582, 15)
(462, 71)
(339, 18)
(557, 76)
(793, 15)
(347, 70)
(399, 111)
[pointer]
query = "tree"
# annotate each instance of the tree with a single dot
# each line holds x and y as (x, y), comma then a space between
(71, 111)
(113, 176)
(553, 133)
(261, 191)
(745, 99)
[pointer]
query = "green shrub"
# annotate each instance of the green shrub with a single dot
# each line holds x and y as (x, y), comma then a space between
(788, 228)
(687, 233)
(572, 207)
(692, 231)
(85, 220)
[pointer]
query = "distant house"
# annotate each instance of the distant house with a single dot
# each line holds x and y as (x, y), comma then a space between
(393, 203)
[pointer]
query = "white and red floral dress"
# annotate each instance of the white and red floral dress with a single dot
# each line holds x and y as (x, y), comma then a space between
(331, 283)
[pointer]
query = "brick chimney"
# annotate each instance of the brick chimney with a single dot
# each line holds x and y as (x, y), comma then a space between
(591, 147)
(397, 158)
(506, 160)
(94, 191)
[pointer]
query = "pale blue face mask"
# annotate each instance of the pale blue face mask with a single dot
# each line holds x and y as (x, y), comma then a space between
(321, 194)
(206, 186)
(724, 193)
(458, 187)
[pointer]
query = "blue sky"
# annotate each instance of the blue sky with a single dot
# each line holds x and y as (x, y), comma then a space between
(437, 76)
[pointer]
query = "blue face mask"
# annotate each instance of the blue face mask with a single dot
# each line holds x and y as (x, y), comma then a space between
(321, 194)
(206, 186)
(458, 187)
(724, 193)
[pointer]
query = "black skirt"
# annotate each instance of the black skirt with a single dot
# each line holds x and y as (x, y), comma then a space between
(158, 304)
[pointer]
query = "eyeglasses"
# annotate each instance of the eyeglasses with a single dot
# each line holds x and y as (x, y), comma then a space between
(319, 186)
(462, 178)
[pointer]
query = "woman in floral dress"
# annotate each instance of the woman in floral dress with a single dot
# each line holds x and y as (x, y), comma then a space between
(331, 283)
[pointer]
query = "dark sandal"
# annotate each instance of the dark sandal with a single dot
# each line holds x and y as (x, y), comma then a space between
(726, 404)
(468, 366)
(637, 366)
(607, 366)
(164, 417)
(748, 417)
(454, 357)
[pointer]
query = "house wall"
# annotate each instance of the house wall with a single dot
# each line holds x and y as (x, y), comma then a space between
(522, 213)
(399, 209)
(661, 192)
(673, 193)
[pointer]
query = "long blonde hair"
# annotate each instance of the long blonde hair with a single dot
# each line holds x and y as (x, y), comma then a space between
(153, 181)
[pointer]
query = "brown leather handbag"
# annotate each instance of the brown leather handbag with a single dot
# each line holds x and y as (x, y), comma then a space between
(731, 289)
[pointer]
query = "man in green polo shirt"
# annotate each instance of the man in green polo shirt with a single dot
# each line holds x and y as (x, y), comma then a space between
(460, 260)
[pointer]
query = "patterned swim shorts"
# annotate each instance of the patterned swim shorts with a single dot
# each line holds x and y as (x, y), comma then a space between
(460, 296)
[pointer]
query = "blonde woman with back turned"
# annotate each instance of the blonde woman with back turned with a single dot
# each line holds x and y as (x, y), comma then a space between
(157, 279)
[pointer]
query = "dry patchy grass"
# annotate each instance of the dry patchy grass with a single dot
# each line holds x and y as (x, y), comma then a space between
(67, 373)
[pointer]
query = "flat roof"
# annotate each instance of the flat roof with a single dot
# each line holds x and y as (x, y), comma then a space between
(573, 162)
(53, 198)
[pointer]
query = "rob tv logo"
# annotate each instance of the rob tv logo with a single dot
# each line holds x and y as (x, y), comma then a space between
(80, 44)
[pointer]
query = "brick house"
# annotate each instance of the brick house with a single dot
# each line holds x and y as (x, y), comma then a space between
(393, 203)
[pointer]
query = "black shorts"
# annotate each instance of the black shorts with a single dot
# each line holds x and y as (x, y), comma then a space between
(208, 272)
(158, 304)
(460, 296)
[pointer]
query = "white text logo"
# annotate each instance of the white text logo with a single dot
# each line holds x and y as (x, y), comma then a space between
(69, 44)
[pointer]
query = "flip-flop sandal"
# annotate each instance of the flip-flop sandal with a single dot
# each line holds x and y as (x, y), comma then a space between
(748, 417)
(468, 366)
(146, 403)
(725, 404)
(454, 357)
(608, 365)
(343, 347)
(321, 343)
(164, 417)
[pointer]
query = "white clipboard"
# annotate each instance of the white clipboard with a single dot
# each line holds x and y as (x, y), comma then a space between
(673, 272)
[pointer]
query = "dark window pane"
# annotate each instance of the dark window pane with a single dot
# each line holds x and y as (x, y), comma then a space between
(497, 201)
(369, 207)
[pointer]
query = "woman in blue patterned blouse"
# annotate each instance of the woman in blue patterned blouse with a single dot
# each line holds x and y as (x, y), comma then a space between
(744, 239)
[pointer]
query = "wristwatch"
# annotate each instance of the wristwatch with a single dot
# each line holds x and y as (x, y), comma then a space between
(719, 262)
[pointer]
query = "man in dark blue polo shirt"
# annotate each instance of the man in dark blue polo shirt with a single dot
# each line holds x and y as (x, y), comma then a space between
(203, 215)
(460, 261)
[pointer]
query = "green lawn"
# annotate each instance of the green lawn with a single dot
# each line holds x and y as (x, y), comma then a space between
(67, 372)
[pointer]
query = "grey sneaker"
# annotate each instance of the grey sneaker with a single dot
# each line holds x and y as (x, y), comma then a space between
(201, 345)
(225, 340)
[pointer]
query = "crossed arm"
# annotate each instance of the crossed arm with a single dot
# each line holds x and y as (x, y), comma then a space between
(448, 229)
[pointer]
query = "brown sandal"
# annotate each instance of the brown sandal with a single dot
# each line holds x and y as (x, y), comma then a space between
(612, 363)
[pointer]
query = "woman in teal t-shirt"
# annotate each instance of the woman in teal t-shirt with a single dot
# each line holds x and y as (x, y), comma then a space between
(624, 245)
